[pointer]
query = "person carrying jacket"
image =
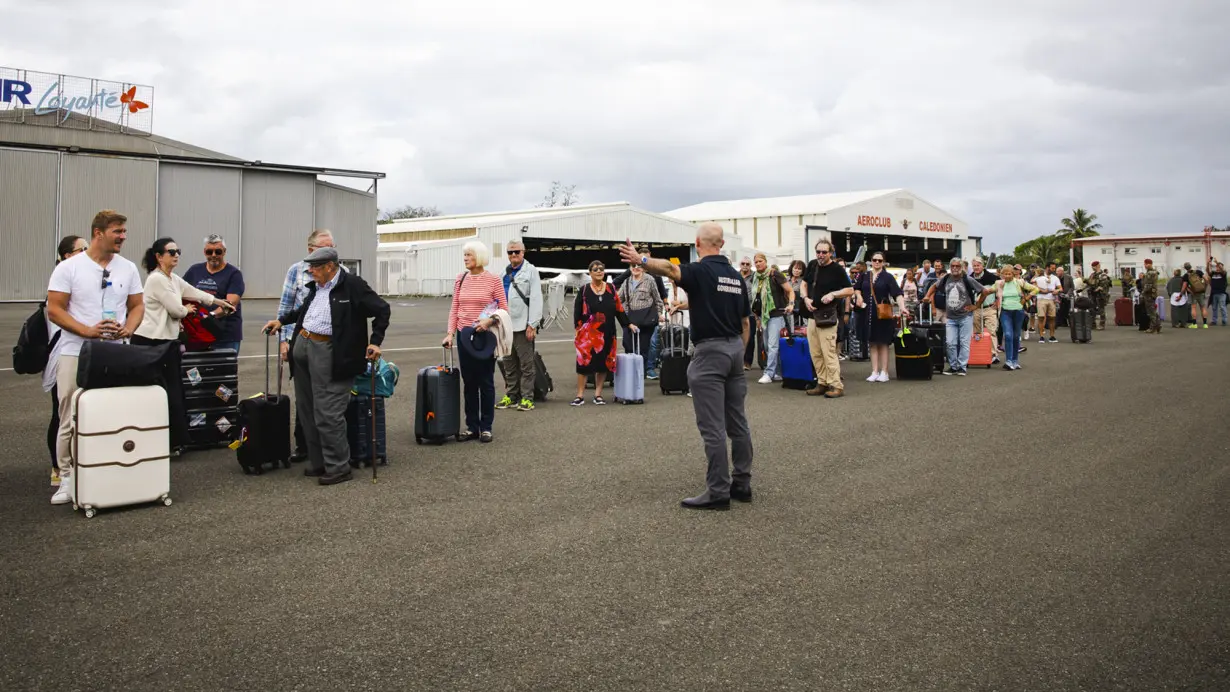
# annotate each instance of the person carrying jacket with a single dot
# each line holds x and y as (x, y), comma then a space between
(329, 349)
(523, 288)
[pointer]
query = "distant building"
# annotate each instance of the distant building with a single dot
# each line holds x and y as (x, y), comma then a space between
(907, 228)
(1168, 251)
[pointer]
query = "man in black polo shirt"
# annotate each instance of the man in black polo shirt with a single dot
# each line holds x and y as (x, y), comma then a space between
(718, 299)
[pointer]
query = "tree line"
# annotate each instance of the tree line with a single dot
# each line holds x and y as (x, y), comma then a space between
(559, 195)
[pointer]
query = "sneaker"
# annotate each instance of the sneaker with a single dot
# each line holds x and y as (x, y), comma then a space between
(994, 360)
(64, 494)
(883, 377)
(506, 402)
(1007, 366)
(948, 371)
(777, 378)
(843, 357)
(961, 372)
(1053, 340)
(1041, 340)
(764, 379)
(525, 405)
(55, 478)
(578, 401)
(599, 401)
(689, 395)
(875, 377)
(1192, 326)
(1206, 325)
(1016, 366)
(651, 375)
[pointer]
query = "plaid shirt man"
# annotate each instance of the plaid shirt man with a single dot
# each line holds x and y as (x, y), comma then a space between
(294, 292)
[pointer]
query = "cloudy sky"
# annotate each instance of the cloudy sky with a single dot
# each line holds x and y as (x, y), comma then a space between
(1006, 114)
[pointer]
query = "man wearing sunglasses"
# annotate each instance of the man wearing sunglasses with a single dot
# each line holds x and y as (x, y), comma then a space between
(93, 295)
(221, 280)
(523, 287)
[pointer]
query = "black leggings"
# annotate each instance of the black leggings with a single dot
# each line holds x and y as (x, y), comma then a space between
(53, 428)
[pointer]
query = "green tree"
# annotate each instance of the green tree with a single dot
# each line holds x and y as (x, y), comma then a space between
(406, 212)
(1042, 251)
(1081, 224)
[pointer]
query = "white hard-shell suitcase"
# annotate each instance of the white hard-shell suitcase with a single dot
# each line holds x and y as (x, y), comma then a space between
(630, 375)
(121, 447)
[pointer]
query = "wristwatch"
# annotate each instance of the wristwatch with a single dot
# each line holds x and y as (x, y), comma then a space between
(644, 260)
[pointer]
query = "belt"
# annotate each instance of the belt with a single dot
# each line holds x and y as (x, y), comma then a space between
(323, 338)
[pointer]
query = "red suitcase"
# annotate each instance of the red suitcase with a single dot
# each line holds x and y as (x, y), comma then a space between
(982, 350)
(1125, 315)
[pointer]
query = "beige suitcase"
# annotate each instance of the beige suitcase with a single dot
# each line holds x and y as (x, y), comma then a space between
(121, 448)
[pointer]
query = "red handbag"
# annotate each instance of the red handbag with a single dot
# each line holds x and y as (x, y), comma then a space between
(196, 331)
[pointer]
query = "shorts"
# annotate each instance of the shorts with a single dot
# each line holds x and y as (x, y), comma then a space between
(1046, 308)
(1201, 299)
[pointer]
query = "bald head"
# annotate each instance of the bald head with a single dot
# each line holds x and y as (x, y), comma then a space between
(709, 238)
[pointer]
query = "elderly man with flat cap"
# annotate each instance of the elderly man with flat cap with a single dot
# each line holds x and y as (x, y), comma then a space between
(328, 350)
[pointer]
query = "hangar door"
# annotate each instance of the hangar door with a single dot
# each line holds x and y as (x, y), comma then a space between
(551, 253)
(129, 186)
(27, 222)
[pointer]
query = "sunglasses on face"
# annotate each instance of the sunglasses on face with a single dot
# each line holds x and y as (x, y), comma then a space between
(877, 260)
(822, 252)
(173, 253)
(513, 252)
(211, 253)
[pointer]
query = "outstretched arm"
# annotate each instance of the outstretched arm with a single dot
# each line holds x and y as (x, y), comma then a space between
(656, 267)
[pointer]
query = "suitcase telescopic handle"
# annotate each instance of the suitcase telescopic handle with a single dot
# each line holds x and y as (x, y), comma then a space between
(448, 357)
(269, 336)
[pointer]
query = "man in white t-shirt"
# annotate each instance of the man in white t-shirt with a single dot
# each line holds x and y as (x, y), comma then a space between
(1049, 287)
(93, 295)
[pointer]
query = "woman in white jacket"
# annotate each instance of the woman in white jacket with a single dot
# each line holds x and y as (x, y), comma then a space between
(164, 298)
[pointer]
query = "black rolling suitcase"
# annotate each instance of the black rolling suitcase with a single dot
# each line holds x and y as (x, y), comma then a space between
(437, 402)
(936, 334)
(673, 372)
(210, 381)
(856, 346)
(264, 420)
(912, 351)
(1080, 322)
(542, 379)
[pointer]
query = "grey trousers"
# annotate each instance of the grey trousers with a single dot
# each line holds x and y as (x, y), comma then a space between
(321, 403)
(719, 388)
(518, 369)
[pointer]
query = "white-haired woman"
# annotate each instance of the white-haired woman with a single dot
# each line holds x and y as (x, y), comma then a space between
(474, 292)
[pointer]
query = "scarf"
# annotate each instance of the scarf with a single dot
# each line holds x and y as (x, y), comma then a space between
(766, 294)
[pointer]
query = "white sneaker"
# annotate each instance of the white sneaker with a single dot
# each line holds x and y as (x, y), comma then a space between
(64, 494)
(883, 377)
(875, 377)
(765, 379)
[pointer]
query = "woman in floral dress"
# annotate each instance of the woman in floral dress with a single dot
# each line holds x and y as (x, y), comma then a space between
(595, 313)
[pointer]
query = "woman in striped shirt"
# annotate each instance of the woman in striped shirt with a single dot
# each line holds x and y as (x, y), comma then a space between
(476, 291)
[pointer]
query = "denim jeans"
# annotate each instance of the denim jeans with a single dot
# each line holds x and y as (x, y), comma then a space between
(651, 365)
(958, 332)
(478, 382)
(772, 339)
(1218, 304)
(1010, 323)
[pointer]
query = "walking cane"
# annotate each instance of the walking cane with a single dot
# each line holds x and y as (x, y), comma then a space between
(373, 405)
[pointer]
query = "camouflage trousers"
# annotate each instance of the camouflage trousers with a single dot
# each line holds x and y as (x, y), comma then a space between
(1155, 322)
(1099, 310)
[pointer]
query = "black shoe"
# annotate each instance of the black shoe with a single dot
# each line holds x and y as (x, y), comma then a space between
(313, 473)
(697, 503)
(298, 457)
(742, 493)
(335, 478)
(484, 436)
(465, 436)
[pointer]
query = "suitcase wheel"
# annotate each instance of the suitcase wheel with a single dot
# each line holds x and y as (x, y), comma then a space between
(90, 512)
(166, 500)
(418, 439)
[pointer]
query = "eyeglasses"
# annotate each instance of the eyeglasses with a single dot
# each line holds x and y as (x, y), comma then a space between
(876, 259)
(211, 253)
(822, 252)
(597, 270)
(106, 275)
(173, 253)
(513, 252)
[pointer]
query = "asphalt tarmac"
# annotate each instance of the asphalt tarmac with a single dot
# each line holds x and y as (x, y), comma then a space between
(1065, 526)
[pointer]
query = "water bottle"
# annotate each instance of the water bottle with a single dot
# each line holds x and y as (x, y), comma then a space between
(110, 309)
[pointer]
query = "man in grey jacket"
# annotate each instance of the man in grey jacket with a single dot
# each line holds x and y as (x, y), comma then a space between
(523, 287)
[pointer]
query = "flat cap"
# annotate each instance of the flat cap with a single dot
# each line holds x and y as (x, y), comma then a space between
(321, 255)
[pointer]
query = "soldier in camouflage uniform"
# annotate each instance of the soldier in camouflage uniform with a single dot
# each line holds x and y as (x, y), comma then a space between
(1125, 282)
(1098, 288)
(1148, 295)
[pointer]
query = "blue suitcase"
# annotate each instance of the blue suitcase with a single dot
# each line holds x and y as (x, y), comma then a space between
(794, 357)
(359, 430)
(630, 375)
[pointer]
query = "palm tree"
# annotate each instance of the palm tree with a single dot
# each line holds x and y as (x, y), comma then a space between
(1041, 251)
(1082, 224)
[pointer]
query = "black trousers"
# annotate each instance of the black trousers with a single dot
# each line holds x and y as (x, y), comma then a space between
(53, 428)
(177, 410)
(753, 344)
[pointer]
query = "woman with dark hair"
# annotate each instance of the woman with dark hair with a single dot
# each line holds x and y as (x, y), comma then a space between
(70, 246)
(595, 313)
(794, 275)
(873, 289)
(164, 298)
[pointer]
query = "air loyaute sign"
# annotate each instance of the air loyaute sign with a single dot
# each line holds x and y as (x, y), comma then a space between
(42, 98)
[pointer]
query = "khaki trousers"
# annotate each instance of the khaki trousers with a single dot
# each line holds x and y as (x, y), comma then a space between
(822, 341)
(66, 386)
(986, 319)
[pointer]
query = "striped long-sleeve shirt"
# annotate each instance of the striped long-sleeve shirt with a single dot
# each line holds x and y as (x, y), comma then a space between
(472, 295)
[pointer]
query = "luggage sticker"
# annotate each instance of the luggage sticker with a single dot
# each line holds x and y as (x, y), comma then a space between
(194, 376)
(223, 425)
(197, 420)
(224, 393)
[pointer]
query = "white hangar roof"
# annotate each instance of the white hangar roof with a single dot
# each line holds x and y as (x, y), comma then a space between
(777, 206)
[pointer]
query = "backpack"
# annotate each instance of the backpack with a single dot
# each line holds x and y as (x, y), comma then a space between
(1195, 282)
(33, 349)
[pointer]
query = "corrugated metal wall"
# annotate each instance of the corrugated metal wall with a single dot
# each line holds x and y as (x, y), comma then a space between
(351, 215)
(427, 270)
(195, 201)
(27, 222)
(278, 215)
(93, 183)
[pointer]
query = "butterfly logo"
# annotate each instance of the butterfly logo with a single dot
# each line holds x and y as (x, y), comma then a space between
(130, 97)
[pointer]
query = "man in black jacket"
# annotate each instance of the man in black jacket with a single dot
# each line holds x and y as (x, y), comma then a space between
(328, 350)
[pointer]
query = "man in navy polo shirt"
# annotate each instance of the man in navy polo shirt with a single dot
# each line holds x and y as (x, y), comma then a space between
(221, 280)
(718, 300)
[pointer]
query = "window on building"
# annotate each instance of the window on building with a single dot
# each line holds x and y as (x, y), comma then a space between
(1129, 251)
(1107, 250)
(352, 266)
(1155, 250)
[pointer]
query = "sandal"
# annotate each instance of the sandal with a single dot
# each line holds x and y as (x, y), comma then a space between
(578, 401)
(598, 401)
(484, 436)
(465, 436)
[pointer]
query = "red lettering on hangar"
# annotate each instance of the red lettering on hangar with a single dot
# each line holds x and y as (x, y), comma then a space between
(875, 221)
(935, 227)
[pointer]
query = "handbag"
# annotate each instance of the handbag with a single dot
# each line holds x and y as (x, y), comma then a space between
(884, 311)
(825, 315)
